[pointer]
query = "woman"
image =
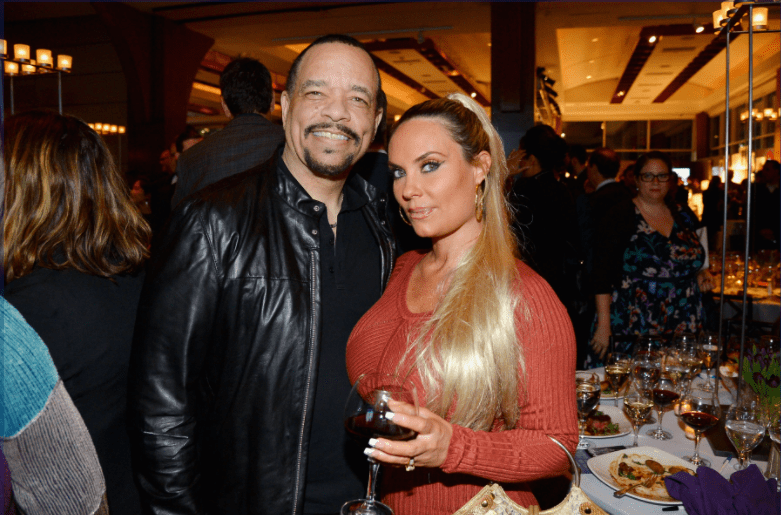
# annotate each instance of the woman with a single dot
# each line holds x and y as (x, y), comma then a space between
(484, 338)
(647, 263)
(74, 244)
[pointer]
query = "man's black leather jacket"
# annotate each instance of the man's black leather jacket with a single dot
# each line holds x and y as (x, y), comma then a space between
(223, 368)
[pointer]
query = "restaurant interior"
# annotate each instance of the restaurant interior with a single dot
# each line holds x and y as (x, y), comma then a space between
(631, 76)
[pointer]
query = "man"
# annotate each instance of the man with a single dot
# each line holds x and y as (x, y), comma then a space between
(577, 169)
(766, 209)
(238, 373)
(246, 141)
(603, 166)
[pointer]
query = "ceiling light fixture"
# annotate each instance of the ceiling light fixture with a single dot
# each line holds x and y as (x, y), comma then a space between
(473, 95)
(699, 28)
(620, 93)
(595, 40)
(588, 76)
(652, 39)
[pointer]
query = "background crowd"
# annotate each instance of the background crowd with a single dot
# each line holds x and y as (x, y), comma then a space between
(230, 327)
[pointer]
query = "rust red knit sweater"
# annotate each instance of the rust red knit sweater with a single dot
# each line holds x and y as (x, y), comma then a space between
(511, 458)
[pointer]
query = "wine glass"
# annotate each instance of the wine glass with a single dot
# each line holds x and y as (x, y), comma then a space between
(365, 417)
(617, 367)
(672, 366)
(774, 432)
(709, 352)
(664, 394)
(647, 368)
(587, 390)
(637, 405)
(744, 428)
(648, 344)
(689, 356)
(700, 410)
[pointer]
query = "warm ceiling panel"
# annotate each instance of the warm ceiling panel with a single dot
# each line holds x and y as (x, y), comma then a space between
(418, 68)
(592, 55)
(670, 56)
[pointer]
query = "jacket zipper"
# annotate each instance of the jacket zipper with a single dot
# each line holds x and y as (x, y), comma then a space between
(313, 325)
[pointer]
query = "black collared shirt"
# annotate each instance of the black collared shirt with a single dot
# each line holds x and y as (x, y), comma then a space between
(350, 280)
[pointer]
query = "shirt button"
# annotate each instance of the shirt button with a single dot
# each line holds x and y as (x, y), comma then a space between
(314, 231)
(317, 208)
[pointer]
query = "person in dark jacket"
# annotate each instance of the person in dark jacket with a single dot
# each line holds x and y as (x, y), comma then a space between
(238, 379)
(248, 139)
(74, 245)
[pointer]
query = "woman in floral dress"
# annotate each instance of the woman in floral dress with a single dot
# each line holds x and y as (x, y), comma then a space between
(647, 271)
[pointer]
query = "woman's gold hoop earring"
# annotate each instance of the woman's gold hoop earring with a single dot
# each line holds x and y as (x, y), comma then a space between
(404, 218)
(479, 202)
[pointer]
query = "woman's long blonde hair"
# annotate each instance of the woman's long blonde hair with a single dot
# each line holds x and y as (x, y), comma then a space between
(468, 355)
(66, 205)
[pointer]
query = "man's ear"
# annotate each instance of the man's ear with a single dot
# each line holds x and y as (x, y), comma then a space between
(377, 121)
(225, 108)
(284, 103)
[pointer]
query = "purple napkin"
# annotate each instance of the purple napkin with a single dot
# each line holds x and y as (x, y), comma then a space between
(747, 492)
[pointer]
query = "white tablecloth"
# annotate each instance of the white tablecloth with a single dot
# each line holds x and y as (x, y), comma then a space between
(679, 446)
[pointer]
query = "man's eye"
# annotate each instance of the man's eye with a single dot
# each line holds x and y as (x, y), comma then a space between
(431, 166)
(313, 93)
(360, 100)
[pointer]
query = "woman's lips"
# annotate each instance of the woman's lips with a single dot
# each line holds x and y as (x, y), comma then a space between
(419, 213)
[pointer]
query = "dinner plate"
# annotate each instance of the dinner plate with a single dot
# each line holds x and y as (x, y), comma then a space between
(600, 467)
(617, 416)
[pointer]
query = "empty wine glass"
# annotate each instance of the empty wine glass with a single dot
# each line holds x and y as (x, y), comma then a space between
(672, 366)
(664, 394)
(637, 405)
(647, 368)
(773, 423)
(744, 428)
(587, 390)
(365, 417)
(700, 410)
(709, 353)
(648, 344)
(617, 365)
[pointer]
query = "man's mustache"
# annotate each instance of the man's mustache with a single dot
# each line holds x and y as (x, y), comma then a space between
(341, 128)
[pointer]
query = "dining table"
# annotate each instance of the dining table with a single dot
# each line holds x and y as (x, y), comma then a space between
(678, 446)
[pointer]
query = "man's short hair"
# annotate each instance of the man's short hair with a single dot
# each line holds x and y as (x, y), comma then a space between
(606, 161)
(578, 152)
(246, 86)
(292, 76)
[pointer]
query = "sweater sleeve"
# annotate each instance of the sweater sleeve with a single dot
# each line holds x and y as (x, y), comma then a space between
(547, 400)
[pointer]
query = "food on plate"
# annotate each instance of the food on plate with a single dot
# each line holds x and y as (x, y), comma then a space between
(599, 424)
(631, 469)
(606, 388)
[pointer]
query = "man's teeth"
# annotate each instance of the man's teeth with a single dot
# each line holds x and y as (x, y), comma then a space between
(330, 135)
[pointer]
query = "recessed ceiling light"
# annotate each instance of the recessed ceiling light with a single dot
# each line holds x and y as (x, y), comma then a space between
(699, 29)
(473, 95)
(591, 61)
(588, 76)
(595, 40)
(620, 93)
(652, 39)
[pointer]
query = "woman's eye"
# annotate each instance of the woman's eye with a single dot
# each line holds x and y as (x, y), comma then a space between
(430, 166)
(396, 173)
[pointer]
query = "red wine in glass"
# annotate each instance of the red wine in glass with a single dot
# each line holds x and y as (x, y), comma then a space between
(374, 425)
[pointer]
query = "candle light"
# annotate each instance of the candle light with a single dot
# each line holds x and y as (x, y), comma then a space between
(113, 129)
(44, 57)
(759, 21)
(64, 62)
(11, 68)
(21, 52)
(28, 69)
(98, 127)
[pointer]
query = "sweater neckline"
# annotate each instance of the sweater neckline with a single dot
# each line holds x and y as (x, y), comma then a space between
(405, 283)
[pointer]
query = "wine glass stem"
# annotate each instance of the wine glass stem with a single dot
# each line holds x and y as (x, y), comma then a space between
(742, 458)
(374, 470)
(696, 455)
(636, 429)
(660, 412)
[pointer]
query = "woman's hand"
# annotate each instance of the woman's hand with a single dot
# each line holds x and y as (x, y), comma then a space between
(601, 340)
(705, 281)
(429, 447)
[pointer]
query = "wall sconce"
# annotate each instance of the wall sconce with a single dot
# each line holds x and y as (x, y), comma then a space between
(64, 63)
(113, 129)
(717, 19)
(11, 68)
(121, 129)
(29, 69)
(44, 57)
(759, 20)
(4, 48)
(727, 9)
(21, 53)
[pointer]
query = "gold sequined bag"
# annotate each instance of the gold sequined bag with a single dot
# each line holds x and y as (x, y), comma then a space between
(493, 500)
